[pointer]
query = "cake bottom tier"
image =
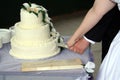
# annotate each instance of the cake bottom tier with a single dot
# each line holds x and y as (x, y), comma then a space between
(33, 56)
(34, 52)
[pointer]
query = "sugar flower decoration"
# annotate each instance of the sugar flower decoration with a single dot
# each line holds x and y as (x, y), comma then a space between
(89, 67)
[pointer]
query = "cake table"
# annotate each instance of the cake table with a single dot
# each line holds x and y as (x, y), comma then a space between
(10, 68)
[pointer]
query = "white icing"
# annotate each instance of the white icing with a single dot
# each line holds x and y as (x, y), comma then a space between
(41, 33)
(30, 19)
(32, 37)
(31, 43)
(34, 55)
(43, 50)
(11, 29)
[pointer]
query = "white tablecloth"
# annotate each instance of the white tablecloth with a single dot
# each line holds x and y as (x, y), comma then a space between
(12, 66)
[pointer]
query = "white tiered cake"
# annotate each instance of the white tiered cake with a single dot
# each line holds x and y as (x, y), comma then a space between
(34, 37)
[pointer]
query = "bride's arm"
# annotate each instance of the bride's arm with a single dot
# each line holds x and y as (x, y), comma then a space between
(99, 8)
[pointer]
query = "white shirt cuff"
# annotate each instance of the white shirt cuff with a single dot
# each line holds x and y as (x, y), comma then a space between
(92, 42)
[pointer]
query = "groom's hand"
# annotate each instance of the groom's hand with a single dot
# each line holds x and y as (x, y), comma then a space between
(80, 46)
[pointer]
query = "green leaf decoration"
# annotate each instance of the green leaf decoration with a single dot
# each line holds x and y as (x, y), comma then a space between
(43, 14)
(35, 13)
(50, 35)
(62, 37)
(40, 7)
(29, 3)
(23, 7)
(61, 48)
(50, 27)
(30, 11)
(59, 39)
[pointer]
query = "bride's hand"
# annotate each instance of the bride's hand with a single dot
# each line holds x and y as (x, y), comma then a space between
(70, 42)
(72, 47)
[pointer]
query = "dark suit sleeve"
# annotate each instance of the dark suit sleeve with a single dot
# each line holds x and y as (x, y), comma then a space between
(97, 32)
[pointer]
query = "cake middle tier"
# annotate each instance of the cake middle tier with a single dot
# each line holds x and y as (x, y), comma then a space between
(41, 33)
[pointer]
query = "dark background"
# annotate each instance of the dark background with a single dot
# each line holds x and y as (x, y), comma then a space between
(10, 9)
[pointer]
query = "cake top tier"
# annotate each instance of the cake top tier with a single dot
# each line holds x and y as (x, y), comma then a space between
(33, 8)
(33, 14)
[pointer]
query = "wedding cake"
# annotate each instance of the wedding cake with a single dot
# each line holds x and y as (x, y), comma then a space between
(35, 36)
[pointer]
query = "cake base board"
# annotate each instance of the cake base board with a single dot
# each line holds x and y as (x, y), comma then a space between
(52, 65)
